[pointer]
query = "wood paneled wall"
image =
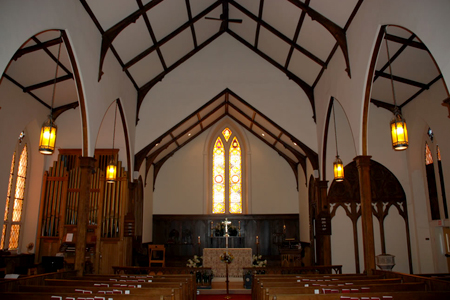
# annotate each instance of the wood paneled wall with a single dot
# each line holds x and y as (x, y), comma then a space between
(181, 233)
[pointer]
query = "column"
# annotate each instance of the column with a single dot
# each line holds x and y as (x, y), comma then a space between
(86, 166)
(363, 165)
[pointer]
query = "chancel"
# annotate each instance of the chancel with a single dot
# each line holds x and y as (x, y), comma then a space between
(222, 119)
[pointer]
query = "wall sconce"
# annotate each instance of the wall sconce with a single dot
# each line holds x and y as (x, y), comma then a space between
(338, 166)
(111, 168)
(47, 139)
(399, 132)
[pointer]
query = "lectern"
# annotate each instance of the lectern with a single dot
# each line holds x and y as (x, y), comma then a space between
(156, 255)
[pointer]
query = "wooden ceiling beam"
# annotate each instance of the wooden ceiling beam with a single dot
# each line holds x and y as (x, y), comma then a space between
(50, 54)
(36, 47)
(421, 90)
(60, 109)
(29, 93)
(47, 83)
(170, 36)
(278, 34)
(306, 88)
(189, 11)
(383, 104)
(296, 34)
(142, 92)
(408, 42)
(337, 32)
(258, 25)
(152, 34)
(402, 80)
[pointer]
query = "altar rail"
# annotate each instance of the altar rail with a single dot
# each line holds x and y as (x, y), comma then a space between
(337, 269)
(158, 270)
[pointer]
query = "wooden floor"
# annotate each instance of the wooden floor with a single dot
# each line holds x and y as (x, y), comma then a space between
(218, 287)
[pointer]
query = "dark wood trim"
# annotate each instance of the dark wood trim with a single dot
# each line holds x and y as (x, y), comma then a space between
(105, 47)
(47, 83)
(401, 79)
(36, 47)
(81, 100)
(170, 36)
(325, 139)
(29, 93)
(258, 25)
(296, 34)
(50, 54)
(152, 34)
(127, 140)
(278, 34)
(407, 42)
(368, 90)
(189, 11)
(382, 104)
(59, 110)
(427, 86)
(347, 25)
(142, 92)
(337, 32)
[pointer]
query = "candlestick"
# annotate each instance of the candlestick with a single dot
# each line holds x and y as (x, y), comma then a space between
(284, 228)
(199, 240)
(257, 240)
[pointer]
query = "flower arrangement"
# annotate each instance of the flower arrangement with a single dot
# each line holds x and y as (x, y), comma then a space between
(227, 258)
(195, 262)
(258, 262)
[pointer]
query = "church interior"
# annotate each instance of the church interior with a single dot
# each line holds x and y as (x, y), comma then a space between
(183, 133)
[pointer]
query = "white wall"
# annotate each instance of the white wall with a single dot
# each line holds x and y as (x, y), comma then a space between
(180, 187)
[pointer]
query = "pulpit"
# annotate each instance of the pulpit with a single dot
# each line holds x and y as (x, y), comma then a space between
(242, 259)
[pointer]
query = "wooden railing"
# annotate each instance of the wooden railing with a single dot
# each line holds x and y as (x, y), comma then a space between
(157, 270)
(11, 285)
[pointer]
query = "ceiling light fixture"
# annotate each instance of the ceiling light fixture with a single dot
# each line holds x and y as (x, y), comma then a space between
(111, 169)
(338, 166)
(47, 139)
(399, 132)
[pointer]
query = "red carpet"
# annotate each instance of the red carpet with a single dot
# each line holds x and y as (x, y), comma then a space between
(221, 297)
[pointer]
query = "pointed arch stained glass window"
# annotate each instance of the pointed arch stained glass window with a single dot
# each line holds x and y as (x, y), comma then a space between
(218, 202)
(235, 177)
(227, 174)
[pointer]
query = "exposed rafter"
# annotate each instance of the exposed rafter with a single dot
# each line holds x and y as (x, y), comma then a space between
(337, 32)
(47, 83)
(36, 47)
(59, 110)
(401, 79)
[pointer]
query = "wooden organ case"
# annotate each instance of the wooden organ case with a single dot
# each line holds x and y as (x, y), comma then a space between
(106, 244)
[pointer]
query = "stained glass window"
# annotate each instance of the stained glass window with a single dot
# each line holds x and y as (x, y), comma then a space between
(428, 155)
(227, 175)
(13, 210)
(235, 176)
(218, 177)
(226, 134)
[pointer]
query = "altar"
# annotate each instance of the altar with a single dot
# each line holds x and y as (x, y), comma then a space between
(242, 259)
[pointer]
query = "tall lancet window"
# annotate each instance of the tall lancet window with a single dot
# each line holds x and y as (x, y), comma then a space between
(227, 174)
(435, 178)
(14, 199)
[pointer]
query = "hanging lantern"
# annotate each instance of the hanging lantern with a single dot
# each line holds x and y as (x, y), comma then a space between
(399, 133)
(111, 171)
(48, 137)
(338, 168)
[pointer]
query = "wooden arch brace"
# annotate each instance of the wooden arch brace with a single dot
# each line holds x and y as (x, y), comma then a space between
(337, 32)
(109, 35)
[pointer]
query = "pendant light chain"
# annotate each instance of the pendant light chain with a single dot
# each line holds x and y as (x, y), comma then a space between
(56, 75)
(335, 131)
(390, 68)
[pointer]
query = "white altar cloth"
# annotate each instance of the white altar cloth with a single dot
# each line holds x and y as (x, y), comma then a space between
(242, 258)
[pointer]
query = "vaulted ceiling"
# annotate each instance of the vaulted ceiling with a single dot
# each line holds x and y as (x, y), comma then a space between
(150, 39)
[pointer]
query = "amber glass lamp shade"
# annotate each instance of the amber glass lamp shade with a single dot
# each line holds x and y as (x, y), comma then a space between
(111, 172)
(338, 168)
(399, 133)
(48, 137)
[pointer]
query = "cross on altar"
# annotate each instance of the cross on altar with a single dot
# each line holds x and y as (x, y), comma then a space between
(226, 223)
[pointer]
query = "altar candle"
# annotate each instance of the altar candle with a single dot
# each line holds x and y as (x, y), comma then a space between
(239, 225)
(199, 239)
(257, 240)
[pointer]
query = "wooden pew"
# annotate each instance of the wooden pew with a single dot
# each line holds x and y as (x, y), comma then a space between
(259, 292)
(102, 291)
(86, 283)
(414, 295)
(349, 290)
(67, 296)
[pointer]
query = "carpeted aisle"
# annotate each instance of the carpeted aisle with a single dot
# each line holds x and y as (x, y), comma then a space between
(221, 297)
